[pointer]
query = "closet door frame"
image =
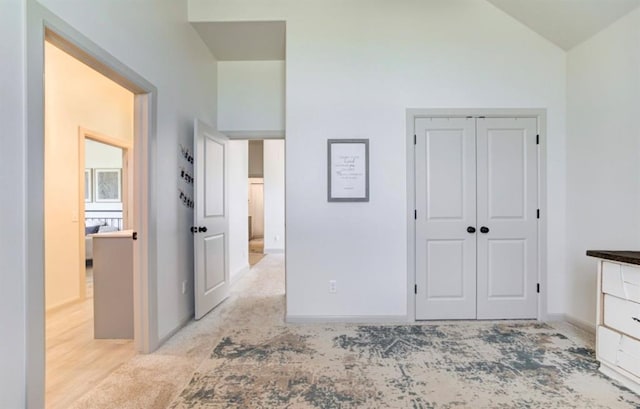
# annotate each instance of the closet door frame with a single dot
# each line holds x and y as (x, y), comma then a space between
(537, 113)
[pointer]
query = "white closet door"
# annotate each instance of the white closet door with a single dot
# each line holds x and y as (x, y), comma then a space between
(507, 203)
(445, 205)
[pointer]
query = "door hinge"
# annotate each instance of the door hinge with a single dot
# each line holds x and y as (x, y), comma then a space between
(415, 139)
(134, 235)
(538, 213)
(538, 288)
(537, 139)
(415, 289)
(415, 214)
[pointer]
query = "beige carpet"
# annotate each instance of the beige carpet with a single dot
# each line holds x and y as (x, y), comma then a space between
(244, 356)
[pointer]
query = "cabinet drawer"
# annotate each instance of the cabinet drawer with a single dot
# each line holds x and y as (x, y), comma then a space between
(619, 350)
(608, 342)
(621, 280)
(622, 315)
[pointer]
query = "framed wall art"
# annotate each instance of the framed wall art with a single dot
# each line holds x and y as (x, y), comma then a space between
(88, 186)
(348, 170)
(107, 185)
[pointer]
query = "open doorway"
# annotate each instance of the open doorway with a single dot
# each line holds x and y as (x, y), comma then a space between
(87, 195)
(256, 220)
(106, 182)
(46, 28)
(256, 201)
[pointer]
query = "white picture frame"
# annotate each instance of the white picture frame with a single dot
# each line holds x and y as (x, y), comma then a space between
(107, 185)
(88, 186)
(348, 170)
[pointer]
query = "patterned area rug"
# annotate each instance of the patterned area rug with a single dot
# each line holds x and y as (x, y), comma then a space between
(242, 355)
(458, 365)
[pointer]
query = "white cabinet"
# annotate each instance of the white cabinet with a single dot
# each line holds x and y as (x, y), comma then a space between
(113, 285)
(618, 322)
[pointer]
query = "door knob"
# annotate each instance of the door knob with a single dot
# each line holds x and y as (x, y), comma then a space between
(193, 229)
(484, 229)
(202, 229)
(471, 229)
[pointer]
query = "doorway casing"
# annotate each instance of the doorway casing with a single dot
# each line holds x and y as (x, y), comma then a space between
(43, 25)
(128, 191)
(412, 115)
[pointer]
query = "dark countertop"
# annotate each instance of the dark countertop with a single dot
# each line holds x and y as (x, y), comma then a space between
(631, 257)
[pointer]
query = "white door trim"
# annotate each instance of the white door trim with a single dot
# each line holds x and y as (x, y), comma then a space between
(541, 115)
(41, 24)
(128, 191)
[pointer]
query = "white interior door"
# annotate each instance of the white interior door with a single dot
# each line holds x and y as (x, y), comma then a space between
(445, 210)
(507, 201)
(211, 219)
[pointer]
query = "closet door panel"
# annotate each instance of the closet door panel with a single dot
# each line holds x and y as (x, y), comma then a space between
(507, 202)
(445, 208)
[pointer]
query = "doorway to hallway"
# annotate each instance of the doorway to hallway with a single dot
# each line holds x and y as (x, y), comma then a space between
(87, 183)
(85, 94)
(256, 218)
(256, 201)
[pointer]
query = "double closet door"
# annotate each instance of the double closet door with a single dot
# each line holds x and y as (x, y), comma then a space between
(476, 218)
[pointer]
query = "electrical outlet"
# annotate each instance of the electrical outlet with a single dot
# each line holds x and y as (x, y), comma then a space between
(276, 238)
(333, 286)
(184, 286)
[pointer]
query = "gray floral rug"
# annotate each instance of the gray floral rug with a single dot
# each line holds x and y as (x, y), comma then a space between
(457, 365)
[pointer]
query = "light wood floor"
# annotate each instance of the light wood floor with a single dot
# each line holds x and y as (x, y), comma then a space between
(256, 250)
(75, 361)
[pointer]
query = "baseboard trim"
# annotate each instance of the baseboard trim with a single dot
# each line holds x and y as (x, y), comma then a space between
(55, 308)
(351, 319)
(620, 376)
(576, 322)
(174, 331)
(240, 273)
(254, 134)
(583, 325)
(273, 251)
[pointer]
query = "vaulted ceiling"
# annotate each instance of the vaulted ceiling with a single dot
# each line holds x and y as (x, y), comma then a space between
(565, 23)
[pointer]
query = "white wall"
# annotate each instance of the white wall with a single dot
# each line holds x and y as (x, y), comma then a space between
(603, 155)
(274, 227)
(352, 70)
(12, 212)
(238, 207)
(251, 95)
(101, 155)
(75, 96)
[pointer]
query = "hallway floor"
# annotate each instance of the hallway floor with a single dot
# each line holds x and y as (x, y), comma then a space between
(242, 355)
(152, 381)
(256, 251)
(76, 361)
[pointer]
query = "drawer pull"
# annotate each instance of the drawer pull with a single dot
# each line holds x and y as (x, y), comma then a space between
(635, 319)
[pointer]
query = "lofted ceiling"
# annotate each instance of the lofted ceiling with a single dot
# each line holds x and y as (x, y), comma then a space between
(566, 23)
